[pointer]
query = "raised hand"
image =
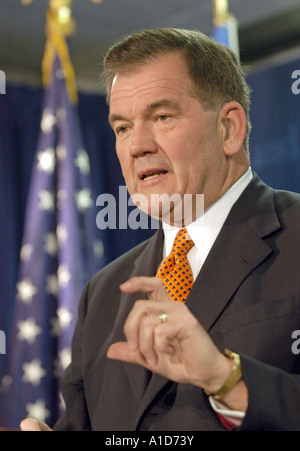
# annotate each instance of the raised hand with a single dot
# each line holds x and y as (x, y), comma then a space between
(166, 338)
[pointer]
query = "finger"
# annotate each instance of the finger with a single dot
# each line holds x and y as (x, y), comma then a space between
(153, 286)
(121, 351)
(164, 340)
(30, 424)
(139, 313)
(133, 323)
(147, 327)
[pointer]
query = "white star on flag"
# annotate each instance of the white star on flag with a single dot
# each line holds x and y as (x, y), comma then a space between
(26, 252)
(33, 372)
(38, 410)
(82, 161)
(28, 330)
(63, 275)
(64, 316)
(52, 286)
(51, 245)
(46, 200)
(48, 120)
(46, 161)
(62, 234)
(65, 357)
(61, 322)
(63, 361)
(57, 281)
(83, 199)
(26, 290)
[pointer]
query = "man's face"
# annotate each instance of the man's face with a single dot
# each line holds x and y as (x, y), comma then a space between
(165, 141)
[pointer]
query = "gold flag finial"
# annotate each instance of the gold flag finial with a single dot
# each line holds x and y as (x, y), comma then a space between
(221, 11)
(62, 13)
(60, 25)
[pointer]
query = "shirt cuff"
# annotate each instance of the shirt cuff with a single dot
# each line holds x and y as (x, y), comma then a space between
(233, 417)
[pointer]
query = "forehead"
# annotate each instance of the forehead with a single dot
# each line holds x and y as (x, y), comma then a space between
(166, 76)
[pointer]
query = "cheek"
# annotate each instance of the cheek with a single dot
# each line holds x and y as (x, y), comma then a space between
(124, 163)
(128, 177)
(186, 157)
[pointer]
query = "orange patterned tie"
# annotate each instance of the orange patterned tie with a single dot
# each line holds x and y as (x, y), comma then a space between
(175, 270)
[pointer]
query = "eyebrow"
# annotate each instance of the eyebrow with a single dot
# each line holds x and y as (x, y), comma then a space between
(115, 117)
(162, 103)
(148, 110)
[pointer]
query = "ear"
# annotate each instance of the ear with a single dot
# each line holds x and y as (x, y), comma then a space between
(233, 123)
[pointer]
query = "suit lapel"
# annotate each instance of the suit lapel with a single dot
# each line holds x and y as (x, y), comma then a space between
(145, 265)
(238, 250)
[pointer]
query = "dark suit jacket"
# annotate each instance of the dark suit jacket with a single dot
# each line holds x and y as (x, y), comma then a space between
(247, 296)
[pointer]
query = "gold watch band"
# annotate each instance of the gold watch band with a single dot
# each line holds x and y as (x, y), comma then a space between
(234, 377)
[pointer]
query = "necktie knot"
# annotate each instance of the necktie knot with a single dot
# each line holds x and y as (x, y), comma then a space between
(175, 270)
(182, 243)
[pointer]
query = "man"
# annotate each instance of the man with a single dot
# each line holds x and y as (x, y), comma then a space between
(179, 107)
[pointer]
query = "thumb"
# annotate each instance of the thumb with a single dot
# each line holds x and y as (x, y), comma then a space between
(30, 424)
(120, 351)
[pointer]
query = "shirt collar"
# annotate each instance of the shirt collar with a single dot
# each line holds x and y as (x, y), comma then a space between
(206, 228)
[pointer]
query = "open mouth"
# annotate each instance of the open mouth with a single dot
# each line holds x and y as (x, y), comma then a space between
(152, 175)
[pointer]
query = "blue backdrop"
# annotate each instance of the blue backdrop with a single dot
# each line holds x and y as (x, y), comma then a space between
(275, 115)
(274, 147)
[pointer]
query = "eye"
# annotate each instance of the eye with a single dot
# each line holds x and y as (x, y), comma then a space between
(121, 130)
(163, 117)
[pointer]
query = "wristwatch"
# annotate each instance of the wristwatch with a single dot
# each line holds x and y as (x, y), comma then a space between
(234, 377)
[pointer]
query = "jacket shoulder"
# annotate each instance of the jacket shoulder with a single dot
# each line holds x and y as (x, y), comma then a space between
(287, 198)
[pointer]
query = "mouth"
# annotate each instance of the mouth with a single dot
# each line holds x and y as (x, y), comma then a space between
(152, 174)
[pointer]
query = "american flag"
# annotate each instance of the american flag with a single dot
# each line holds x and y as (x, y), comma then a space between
(61, 250)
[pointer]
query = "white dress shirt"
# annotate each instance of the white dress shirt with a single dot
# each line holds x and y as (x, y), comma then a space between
(206, 228)
(204, 232)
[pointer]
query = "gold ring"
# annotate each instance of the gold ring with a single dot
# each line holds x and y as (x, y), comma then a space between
(162, 316)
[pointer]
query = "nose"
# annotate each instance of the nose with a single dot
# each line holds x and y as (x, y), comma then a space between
(142, 141)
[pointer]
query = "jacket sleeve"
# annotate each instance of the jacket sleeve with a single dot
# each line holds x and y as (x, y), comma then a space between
(75, 417)
(274, 398)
